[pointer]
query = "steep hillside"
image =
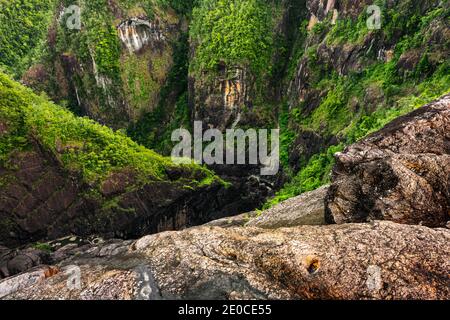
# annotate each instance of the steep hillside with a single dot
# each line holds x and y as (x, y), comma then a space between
(115, 67)
(23, 33)
(312, 68)
(92, 90)
(60, 174)
(346, 81)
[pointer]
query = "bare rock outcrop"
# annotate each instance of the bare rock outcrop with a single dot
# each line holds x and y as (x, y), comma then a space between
(382, 260)
(306, 209)
(400, 173)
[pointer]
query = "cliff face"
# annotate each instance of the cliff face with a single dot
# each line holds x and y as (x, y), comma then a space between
(339, 46)
(230, 85)
(401, 173)
(114, 67)
(292, 257)
(64, 175)
(323, 74)
(314, 68)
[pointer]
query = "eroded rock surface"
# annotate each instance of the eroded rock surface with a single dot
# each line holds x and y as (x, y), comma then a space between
(306, 209)
(382, 260)
(400, 173)
(135, 33)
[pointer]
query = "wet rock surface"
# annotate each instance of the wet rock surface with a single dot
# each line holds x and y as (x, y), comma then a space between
(400, 173)
(135, 33)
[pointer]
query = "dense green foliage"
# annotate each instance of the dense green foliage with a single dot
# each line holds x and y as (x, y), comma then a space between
(346, 111)
(81, 145)
(232, 32)
(180, 6)
(155, 128)
(22, 32)
(347, 105)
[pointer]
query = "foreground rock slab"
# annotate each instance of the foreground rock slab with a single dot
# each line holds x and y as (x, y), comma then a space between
(400, 173)
(382, 260)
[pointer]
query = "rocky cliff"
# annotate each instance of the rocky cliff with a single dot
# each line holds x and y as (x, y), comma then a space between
(344, 82)
(401, 173)
(64, 175)
(115, 63)
(324, 72)
(392, 261)
(227, 260)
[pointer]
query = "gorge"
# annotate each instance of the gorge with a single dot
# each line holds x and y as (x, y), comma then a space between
(360, 205)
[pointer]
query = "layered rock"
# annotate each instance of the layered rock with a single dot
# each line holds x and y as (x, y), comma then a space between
(391, 262)
(220, 102)
(136, 33)
(41, 200)
(400, 173)
(328, 49)
(306, 209)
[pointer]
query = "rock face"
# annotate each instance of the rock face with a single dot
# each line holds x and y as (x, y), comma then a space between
(114, 68)
(306, 209)
(219, 102)
(136, 33)
(392, 261)
(43, 195)
(346, 57)
(43, 201)
(13, 262)
(401, 173)
(232, 92)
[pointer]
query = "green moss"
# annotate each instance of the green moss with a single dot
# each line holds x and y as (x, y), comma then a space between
(43, 247)
(113, 206)
(348, 31)
(81, 145)
(180, 6)
(333, 112)
(140, 86)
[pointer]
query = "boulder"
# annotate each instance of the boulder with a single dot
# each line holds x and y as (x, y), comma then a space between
(13, 262)
(306, 209)
(380, 260)
(400, 173)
